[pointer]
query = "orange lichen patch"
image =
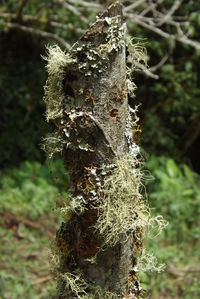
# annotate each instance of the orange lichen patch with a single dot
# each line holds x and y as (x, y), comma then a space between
(87, 244)
(114, 114)
(86, 186)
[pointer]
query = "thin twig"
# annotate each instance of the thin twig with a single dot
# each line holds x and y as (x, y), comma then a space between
(175, 6)
(38, 32)
(22, 4)
(73, 9)
(146, 71)
(133, 5)
(92, 5)
(43, 279)
(160, 64)
(27, 18)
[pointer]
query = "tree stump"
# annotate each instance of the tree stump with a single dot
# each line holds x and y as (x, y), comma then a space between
(94, 252)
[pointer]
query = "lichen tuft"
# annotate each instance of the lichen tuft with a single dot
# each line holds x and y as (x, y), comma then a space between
(123, 211)
(57, 61)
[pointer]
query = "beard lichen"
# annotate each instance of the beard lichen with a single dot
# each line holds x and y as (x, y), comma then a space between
(75, 286)
(57, 60)
(122, 210)
(136, 61)
(147, 262)
(53, 144)
(71, 205)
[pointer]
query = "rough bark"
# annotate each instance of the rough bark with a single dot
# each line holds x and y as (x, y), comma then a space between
(93, 124)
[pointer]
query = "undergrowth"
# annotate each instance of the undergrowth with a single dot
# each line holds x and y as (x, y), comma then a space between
(31, 189)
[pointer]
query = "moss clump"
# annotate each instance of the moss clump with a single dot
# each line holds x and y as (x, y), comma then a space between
(122, 210)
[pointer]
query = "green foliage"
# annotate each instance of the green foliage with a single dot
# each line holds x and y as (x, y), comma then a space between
(27, 196)
(21, 108)
(31, 189)
(175, 194)
(43, 16)
(170, 105)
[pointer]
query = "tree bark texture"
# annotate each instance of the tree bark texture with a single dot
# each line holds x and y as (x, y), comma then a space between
(93, 123)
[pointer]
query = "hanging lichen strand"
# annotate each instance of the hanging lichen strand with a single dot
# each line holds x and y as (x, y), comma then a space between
(104, 216)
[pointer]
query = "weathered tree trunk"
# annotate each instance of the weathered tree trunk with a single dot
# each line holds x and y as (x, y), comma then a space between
(94, 125)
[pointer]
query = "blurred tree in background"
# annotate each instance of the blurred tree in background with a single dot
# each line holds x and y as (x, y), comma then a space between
(169, 94)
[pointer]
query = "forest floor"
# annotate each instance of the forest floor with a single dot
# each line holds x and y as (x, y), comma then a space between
(25, 270)
(28, 224)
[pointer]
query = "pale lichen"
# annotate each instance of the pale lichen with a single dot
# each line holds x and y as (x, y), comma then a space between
(53, 144)
(72, 205)
(122, 210)
(131, 122)
(77, 287)
(57, 60)
(147, 262)
(137, 60)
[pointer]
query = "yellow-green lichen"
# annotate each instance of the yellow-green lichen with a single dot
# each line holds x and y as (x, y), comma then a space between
(59, 253)
(57, 60)
(137, 60)
(122, 210)
(77, 287)
(72, 205)
(53, 144)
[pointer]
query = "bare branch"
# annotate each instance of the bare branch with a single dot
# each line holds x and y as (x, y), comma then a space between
(136, 19)
(38, 32)
(27, 18)
(183, 39)
(73, 9)
(86, 4)
(170, 13)
(160, 64)
(146, 71)
(22, 4)
(134, 5)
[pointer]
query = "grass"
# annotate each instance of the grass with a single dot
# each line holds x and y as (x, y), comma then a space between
(175, 193)
(27, 226)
